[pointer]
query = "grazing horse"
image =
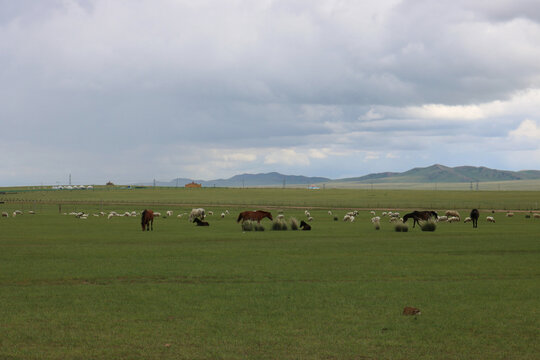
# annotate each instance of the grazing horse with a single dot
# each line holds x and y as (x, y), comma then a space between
(305, 226)
(419, 215)
(254, 215)
(199, 222)
(147, 220)
(475, 214)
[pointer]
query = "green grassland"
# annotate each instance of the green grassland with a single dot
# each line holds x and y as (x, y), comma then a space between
(104, 289)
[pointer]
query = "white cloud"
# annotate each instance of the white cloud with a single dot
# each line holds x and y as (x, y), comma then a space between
(527, 129)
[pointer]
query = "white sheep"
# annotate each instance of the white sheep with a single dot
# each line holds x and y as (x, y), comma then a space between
(467, 219)
(454, 213)
(196, 213)
(169, 213)
(5, 214)
(309, 218)
(222, 215)
(329, 212)
(536, 216)
(442, 218)
(452, 219)
(510, 214)
(375, 219)
(372, 212)
(490, 219)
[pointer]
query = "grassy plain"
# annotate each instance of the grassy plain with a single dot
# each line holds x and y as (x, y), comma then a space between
(103, 289)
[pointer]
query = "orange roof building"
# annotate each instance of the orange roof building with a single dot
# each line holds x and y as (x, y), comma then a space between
(193, 184)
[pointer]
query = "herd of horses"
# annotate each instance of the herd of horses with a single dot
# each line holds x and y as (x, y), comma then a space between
(147, 218)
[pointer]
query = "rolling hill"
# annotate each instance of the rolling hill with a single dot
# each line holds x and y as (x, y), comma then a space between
(432, 174)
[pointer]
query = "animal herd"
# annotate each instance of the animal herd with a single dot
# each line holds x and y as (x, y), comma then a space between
(198, 215)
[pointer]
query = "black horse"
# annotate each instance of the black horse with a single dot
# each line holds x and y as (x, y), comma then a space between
(199, 222)
(475, 214)
(305, 226)
(420, 215)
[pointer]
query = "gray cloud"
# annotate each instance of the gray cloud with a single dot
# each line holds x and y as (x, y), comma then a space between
(90, 84)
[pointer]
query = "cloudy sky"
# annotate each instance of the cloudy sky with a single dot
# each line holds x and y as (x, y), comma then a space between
(132, 90)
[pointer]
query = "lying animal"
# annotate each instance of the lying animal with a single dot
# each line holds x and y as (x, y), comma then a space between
(305, 226)
(199, 222)
(409, 310)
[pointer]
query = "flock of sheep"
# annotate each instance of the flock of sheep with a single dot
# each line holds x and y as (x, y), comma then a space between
(450, 216)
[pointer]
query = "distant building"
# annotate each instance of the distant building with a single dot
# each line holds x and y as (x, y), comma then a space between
(313, 187)
(110, 183)
(193, 184)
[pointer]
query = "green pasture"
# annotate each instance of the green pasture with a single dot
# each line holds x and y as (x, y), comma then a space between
(103, 289)
(277, 198)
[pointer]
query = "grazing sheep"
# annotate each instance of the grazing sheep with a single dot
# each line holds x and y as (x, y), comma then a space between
(454, 213)
(133, 213)
(305, 226)
(309, 218)
(467, 219)
(536, 216)
(197, 213)
(375, 219)
(510, 214)
(329, 213)
(157, 214)
(372, 212)
(210, 213)
(169, 213)
(5, 214)
(443, 218)
(226, 212)
(452, 219)
(490, 219)
(222, 215)
(281, 216)
(31, 212)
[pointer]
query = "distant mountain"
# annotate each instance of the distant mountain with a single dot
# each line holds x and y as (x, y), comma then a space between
(441, 173)
(247, 180)
(431, 174)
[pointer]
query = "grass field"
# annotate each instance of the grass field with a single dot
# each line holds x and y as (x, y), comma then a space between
(103, 289)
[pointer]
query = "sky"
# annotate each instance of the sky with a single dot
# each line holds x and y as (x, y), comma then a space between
(134, 90)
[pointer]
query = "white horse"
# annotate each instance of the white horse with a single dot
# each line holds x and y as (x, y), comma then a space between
(196, 213)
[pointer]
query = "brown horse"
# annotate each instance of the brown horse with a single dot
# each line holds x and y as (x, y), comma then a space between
(475, 214)
(147, 220)
(420, 215)
(254, 215)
